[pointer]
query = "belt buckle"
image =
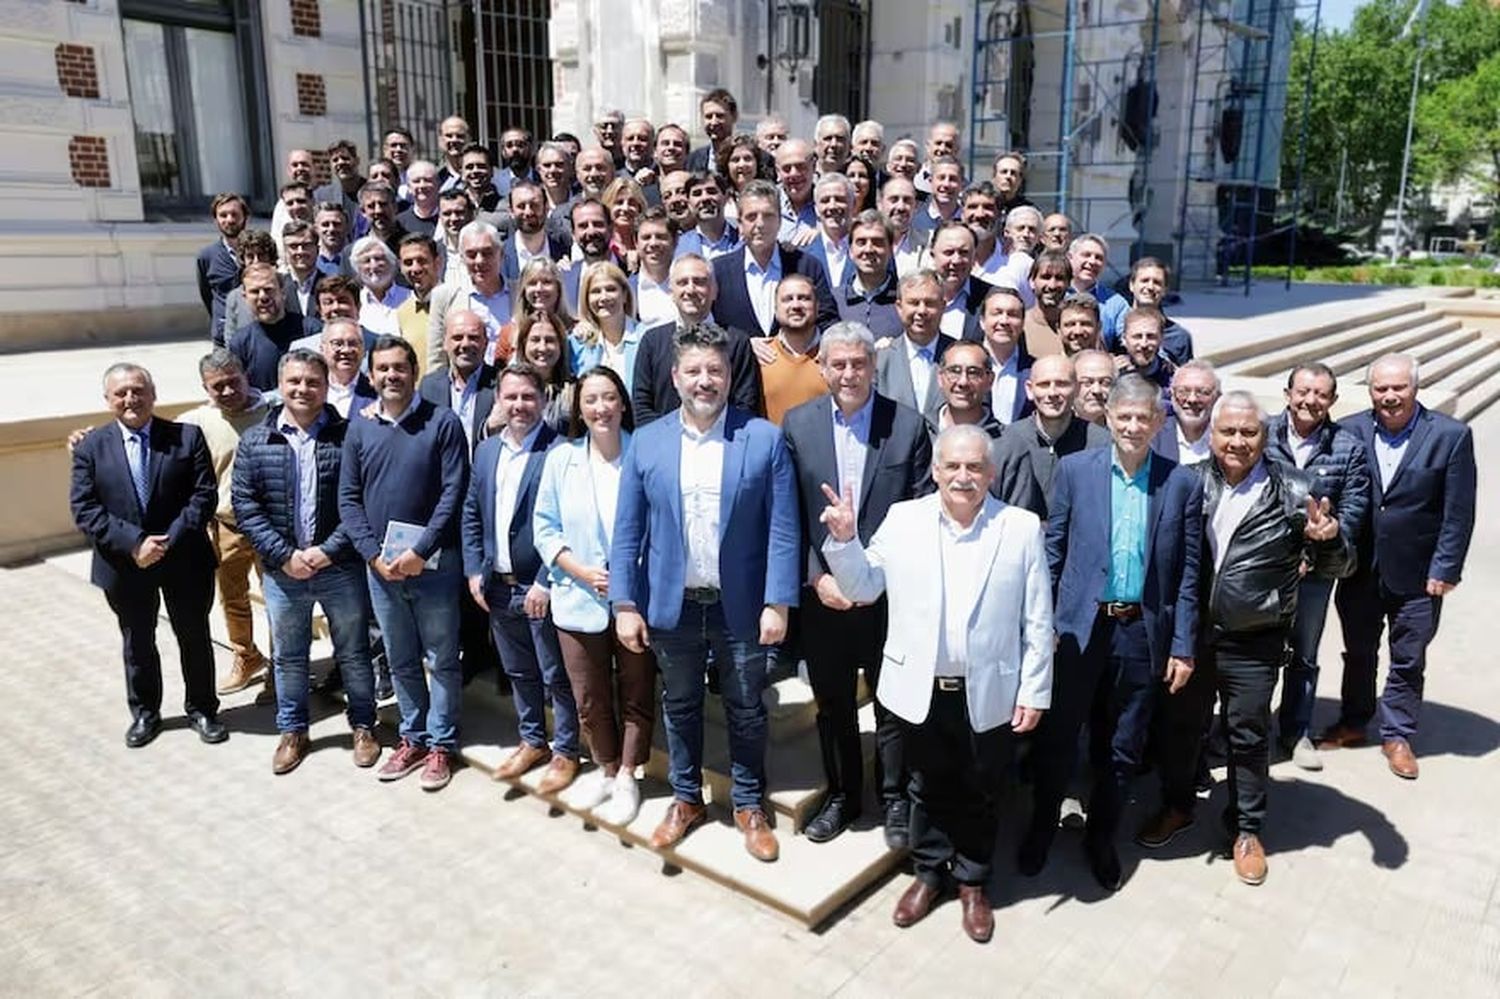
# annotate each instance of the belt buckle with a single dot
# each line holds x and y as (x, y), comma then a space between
(949, 684)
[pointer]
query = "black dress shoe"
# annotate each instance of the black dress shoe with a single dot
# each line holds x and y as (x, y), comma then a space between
(209, 729)
(1035, 846)
(1104, 863)
(142, 730)
(833, 818)
(898, 824)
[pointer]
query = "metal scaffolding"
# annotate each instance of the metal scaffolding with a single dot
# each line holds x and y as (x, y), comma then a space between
(1160, 119)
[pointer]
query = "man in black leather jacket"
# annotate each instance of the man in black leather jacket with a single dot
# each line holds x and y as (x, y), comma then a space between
(1263, 531)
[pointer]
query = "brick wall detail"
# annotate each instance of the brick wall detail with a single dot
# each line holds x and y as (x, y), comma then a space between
(77, 71)
(312, 95)
(307, 18)
(88, 158)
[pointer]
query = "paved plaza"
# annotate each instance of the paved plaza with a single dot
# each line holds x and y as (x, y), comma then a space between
(185, 869)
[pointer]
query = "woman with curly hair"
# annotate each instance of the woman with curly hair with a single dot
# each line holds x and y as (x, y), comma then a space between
(741, 161)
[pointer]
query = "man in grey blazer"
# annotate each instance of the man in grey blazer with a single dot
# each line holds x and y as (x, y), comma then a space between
(879, 450)
(906, 369)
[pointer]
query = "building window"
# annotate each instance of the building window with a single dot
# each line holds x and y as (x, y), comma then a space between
(512, 87)
(198, 96)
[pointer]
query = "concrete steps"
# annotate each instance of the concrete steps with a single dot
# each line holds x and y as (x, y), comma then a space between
(1459, 348)
(809, 882)
(1315, 345)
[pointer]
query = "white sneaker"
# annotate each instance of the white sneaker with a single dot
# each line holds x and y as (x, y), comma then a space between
(1305, 755)
(586, 795)
(624, 801)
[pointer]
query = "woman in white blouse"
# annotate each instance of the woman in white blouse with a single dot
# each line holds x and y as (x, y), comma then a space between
(573, 525)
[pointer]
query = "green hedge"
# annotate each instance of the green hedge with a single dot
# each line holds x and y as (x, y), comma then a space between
(1403, 276)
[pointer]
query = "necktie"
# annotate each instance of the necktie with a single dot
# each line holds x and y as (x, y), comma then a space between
(139, 471)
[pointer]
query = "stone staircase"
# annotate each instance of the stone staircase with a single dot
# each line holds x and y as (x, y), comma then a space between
(809, 882)
(1457, 341)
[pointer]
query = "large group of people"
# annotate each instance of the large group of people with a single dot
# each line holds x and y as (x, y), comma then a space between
(623, 414)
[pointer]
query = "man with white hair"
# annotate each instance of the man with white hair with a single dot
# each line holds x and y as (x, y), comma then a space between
(1262, 525)
(608, 125)
(868, 140)
(770, 133)
(833, 196)
(942, 140)
(379, 296)
(967, 660)
(1088, 255)
(1423, 482)
(484, 293)
(832, 139)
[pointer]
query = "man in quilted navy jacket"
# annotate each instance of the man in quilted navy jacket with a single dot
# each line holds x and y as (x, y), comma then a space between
(1333, 455)
(285, 493)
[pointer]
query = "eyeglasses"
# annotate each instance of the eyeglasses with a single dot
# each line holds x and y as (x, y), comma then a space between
(1195, 393)
(962, 371)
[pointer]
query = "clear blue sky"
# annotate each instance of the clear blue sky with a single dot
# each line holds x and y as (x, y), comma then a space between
(1337, 13)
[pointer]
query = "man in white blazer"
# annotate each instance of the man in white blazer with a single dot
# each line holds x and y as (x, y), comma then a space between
(964, 688)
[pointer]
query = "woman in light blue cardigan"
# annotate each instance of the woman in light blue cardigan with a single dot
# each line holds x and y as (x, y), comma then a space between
(573, 525)
(606, 332)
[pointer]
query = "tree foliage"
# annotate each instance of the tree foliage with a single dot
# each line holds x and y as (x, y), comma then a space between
(1361, 86)
(1458, 125)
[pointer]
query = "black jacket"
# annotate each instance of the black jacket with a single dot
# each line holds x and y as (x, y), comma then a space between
(263, 491)
(1256, 588)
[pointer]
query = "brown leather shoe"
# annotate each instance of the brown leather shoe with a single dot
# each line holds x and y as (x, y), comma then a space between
(979, 918)
(760, 841)
(1249, 859)
(1163, 827)
(560, 773)
(1342, 736)
(682, 818)
(242, 673)
(1402, 761)
(524, 758)
(366, 747)
(914, 904)
(290, 751)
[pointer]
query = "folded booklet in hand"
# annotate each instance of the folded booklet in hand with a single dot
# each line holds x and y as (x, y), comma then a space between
(401, 536)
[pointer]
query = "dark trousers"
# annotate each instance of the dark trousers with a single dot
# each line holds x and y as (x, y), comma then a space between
(1299, 685)
(955, 777)
(837, 645)
(136, 601)
(1241, 669)
(475, 646)
(1365, 607)
(1111, 684)
(531, 659)
(595, 662)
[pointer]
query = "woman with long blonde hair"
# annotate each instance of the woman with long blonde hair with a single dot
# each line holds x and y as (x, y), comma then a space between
(539, 289)
(606, 333)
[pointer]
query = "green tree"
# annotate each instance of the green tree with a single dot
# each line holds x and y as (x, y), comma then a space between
(1360, 91)
(1458, 123)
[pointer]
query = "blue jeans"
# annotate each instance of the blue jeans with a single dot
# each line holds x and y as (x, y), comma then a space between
(419, 618)
(531, 659)
(682, 653)
(341, 590)
(1299, 685)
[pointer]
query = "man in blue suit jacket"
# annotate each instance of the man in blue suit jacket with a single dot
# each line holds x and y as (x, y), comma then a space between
(1423, 480)
(706, 556)
(143, 492)
(218, 270)
(507, 578)
(762, 261)
(1123, 539)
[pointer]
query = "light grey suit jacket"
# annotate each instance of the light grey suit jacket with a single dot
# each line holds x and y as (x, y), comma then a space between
(893, 376)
